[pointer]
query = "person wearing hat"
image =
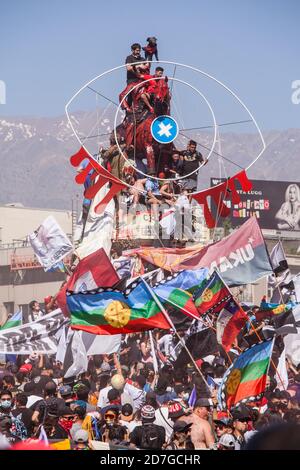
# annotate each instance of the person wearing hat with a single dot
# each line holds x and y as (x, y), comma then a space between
(26, 368)
(148, 435)
(110, 418)
(66, 393)
(81, 440)
(132, 390)
(201, 431)
(176, 410)
(226, 442)
(66, 419)
(240, 419)
(181, 438)
(223, 426)
(116, 382)
(162, 417)
(52, 427)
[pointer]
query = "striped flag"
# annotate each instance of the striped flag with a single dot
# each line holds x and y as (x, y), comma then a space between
(245, 380)
(269, 310)
(106, 311)
(212, 295)
(177, 290)
(15, 320)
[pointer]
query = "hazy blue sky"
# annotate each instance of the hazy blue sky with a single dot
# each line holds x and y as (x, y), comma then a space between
(49, 48)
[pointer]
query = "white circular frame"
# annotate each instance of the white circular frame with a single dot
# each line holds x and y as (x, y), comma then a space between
(190, 67)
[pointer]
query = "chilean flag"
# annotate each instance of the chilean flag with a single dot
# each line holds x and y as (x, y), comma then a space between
(95, 270)
(229, 323)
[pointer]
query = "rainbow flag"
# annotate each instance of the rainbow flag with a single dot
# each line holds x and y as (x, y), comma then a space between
(212, 295)
(177, 290)
(108, 311)
(245, 380)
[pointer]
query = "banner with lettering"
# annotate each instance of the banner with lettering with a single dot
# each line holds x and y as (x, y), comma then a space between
(40, 336)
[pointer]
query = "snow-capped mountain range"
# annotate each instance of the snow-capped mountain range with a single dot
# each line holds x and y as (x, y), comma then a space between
(35, 153)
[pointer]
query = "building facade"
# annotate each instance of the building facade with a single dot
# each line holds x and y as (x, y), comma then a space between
(22, 279)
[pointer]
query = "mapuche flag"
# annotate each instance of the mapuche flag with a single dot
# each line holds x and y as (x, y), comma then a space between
(109, 312)
(93, 271)
(246, 377)
(177, 290)
(212, 295)
(269, 310)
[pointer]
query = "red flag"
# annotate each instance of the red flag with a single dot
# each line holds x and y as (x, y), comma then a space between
(95, 270)
(104, 178)
(224, 191)
(229, 323)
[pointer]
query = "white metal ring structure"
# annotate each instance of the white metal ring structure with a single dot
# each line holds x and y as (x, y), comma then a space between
(205, 74)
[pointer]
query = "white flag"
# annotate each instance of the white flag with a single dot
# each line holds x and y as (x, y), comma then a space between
(98, 229)
(80, 345)
(281, 276)
(49, 243)
(281, 373)
(75, 361)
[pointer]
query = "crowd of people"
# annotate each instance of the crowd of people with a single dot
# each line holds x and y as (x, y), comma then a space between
(139, 398)
(124, 401)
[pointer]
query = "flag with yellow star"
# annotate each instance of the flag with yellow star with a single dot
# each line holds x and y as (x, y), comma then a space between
(107, 311)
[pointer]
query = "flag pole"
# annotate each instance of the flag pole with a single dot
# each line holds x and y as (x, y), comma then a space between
(155, 363)
(164, 312)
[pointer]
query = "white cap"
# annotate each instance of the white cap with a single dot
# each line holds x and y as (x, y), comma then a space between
(227, 440)
(118, 382)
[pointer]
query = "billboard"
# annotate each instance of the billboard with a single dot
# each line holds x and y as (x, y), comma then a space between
(276, 204)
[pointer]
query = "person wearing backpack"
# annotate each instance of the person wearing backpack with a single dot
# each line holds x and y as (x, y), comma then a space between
(148, 435)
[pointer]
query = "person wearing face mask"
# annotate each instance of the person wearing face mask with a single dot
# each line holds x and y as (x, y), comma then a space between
(66, 419)
(17, 427)
(182, 395)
